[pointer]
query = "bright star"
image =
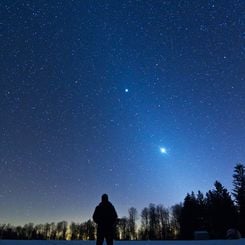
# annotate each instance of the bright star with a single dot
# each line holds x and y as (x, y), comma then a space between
(163, 150)
(126, 90)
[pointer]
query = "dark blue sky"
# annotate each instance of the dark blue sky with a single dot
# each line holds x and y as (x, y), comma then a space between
(90, 91)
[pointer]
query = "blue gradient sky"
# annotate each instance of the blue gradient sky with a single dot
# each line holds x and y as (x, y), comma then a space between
(90, 91)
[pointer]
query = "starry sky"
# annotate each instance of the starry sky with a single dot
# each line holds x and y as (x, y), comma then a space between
(143, 100)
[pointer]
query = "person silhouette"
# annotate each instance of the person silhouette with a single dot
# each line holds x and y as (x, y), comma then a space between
(105, 216)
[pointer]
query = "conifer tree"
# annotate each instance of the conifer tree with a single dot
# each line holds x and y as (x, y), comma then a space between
(188, 219)
(239, 194)
(221, 211)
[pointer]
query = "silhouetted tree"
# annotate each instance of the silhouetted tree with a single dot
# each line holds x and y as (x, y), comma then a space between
(40, 232)
(52, 231)
(221, 211)
(90, 230)
(163, 222)
(82, 232)
(144, 229)
(74, 229)
(193, 215)
(19, 232)
(133, 216)
(61, 230)
(2, 230)
(201, 212)
(47, 231)
(153, 222)
(123, 228)
(175, 220)
(8, 232)
(188, 216)
(239, 194)
(34, 234)
(28, 230)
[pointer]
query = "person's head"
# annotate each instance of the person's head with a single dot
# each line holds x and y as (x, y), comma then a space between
(104, 198)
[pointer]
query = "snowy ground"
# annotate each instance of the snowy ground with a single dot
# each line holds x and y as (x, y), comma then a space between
(208, 242)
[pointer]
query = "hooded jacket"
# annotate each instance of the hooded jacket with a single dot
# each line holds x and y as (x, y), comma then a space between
(105, 215)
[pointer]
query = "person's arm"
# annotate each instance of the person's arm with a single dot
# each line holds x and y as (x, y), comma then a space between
(115, 215)
(95, 216)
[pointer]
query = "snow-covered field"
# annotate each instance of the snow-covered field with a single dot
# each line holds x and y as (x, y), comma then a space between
(207, 242)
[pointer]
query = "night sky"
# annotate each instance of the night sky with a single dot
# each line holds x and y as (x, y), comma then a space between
(143, 100)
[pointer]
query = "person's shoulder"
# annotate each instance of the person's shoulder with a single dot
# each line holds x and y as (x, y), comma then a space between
(110, 204)
(98, 207)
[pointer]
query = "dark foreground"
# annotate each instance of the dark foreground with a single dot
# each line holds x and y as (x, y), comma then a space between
(206, 242)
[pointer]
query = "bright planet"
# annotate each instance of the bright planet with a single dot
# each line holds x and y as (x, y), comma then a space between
(163, 150)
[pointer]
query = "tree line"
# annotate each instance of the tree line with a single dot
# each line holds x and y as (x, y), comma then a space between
(214, 212)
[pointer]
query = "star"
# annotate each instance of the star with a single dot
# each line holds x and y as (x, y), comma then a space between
(126, 90)
(163, 150)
